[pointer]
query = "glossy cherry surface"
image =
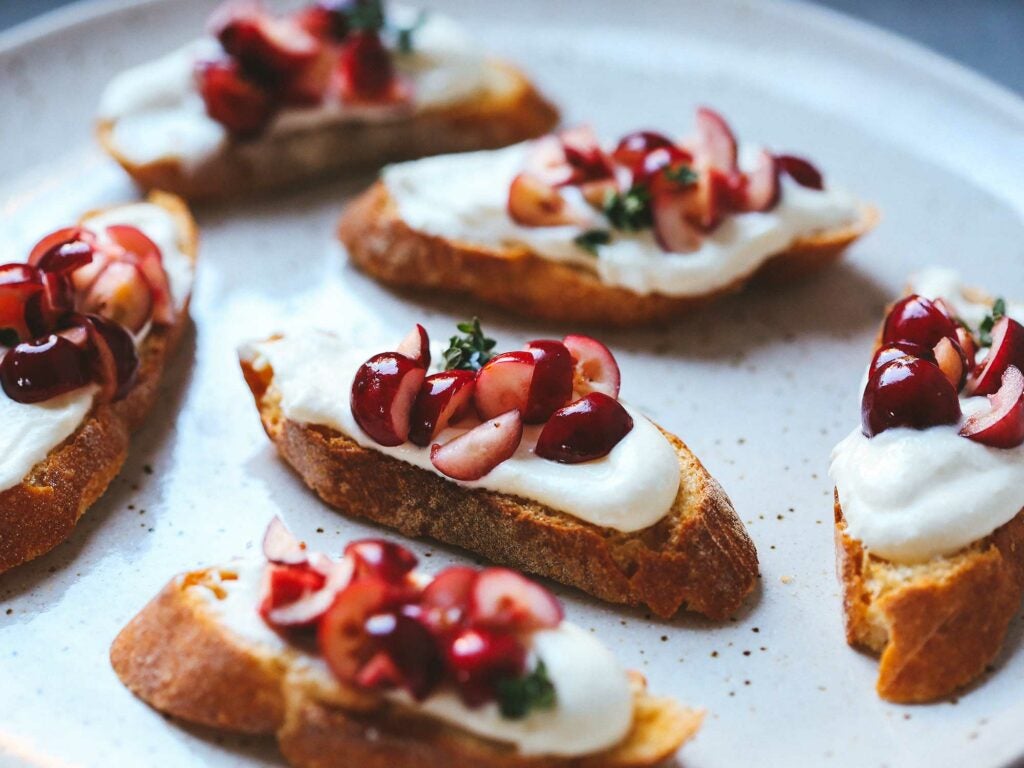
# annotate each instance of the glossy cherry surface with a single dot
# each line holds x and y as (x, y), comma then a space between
(584, 430)
(38, 370)
(383, 393)
(908, 392)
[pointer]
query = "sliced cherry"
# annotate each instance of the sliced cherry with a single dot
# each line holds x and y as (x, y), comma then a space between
(281, 546)
(504, 599)
(968, 346)
(443, 399)
(314, 602)
(1002, 426)
(286, 584)
(473, 454)
(597, 192)
(20, 290)
(908, 392)
(672, 230)
(383, 393)
(504, 383)
(802, 171)
(551, 385)
(478, 657)
(342, 637)
(332, 18)
(585, 430)
(584, 155)
(951, 361)
(634, 147)
(534, 203)
(715, 143)
(1007, 349)
(113, 356)
(38, 370)
(411, 653)
(761, 192)
(146, 254)
(656, 161)
(445, 600)
(595, 369)
(896, 349)
(75, 239)
(268, 48)
(121, 293)
(417, 346)
(546, 161)
(239, 105)
(366, 71)
(381, 559)
(916, 319)
(701, 206)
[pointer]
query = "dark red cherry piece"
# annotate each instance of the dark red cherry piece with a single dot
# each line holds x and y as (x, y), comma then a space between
(478, 657)
(381, 558)
(551, 386)
(908, 392)
(917, 319)
(238, 104)
(365, 68)
(584, 430)
(34, 371)
(802, 171)
(383, 394)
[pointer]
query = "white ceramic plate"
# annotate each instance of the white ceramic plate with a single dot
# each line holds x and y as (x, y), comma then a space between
(760, 386)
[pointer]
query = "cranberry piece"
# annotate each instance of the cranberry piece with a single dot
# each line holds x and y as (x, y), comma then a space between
(551, 386)
(908, 392)
(381, 559)
(916, 319)
(238, 104)
(585, 430)
(478, 658)
(365, 68)
(383, 394)
(34, 371)
(802, 171)
(444, 397)
(410, 648)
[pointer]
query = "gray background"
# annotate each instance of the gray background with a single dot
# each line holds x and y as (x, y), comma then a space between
(986, 35)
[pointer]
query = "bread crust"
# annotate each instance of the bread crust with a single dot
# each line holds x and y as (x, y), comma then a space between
(698, 556)
(178, 658)
(936, 625)
(381, 244)
(503, 115)
(42, 511)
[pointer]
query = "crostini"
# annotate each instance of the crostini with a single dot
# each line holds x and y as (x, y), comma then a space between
(87, 324)
(565, 229)
(265, 101)
(929, 491)
(363, 660)
(527, 458)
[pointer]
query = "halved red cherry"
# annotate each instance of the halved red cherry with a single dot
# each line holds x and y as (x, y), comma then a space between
(416, 345)
(443, 399)
(267, 47)
(584, 430)
(1007, 349)
(896, 349)
(382, 559)
(595, 369)
(505, 599)
(383, 393)
(285, 585)
(477, 657)
(503, 384)
(715, 143)
(19, 285)
(1002, 426)
(113, 356)
(121, 293)
(320, 581)
(366, 71)
(951, 361)
(239, 105)
(534, 203)
(38, 370)
(968, 345)
(584, 155)
(672, 230)
(281, 546)
(414, 661)
(653, 165)
(342, 637)
(761, 192)
(445, 600)
(916, 319)
(802, 171)
(70, 240)
(146, 254)
(551, 385)
(634, 147)
(473, 454)
(908, 392)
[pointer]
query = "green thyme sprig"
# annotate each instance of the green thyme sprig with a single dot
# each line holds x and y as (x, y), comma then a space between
(471, 351)
(518, 696)
(985, 329)
(404, 35)
(629, 211)
(592, 238)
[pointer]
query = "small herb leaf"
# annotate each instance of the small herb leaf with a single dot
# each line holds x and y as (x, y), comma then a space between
(682, 175)
(519, 695)
(471, 351)
(985, 329)
(592, 238)
(629, 211)
(404, 35)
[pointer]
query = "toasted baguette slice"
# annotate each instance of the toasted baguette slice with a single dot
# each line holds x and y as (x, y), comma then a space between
(381, 244)
(512, 110)
(40, 512)
(698, 556)
(179, 657)
(938, 624)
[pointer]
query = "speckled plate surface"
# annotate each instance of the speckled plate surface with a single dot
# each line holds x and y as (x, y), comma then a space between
(760, 386)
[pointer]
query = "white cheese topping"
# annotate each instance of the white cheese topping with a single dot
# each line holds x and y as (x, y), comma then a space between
(594, 704)
(910, 495)
(159, 114)
(464, 197)
(629, 489)
(30, 431)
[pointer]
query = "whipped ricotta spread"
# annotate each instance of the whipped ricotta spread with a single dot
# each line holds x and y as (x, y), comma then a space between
(465, 196)
(631, 488)
(158, 113)
(31, 430)
(913, 494)
(594, 703)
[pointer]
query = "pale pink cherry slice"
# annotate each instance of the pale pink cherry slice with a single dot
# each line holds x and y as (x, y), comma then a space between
(416, 345)
(473, 454)
(503, 384)
(715, 144)
(312, 605)
(1007, 349)
(595, 366)
(762, 188)
(149, 259)
(1002, 426)
(281, 546)
(121, 293)
(534, 203)
(504, 599)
